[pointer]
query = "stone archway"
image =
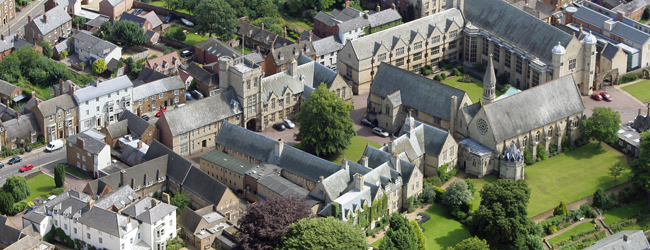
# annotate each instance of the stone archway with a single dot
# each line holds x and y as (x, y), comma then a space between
(606, 78)
(252, 124)
(646, 73)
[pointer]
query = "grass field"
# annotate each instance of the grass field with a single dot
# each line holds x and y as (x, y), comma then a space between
(39, 185)
(572, 176)
(192, 38)
(584, 227)
(353, 153)
(76, 172)
(621, 213)
(640, 90)
(162, 5)
(298, 22)
(474, 89)
(442, 230)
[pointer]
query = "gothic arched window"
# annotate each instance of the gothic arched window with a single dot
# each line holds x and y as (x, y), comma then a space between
(525, 141)
(537, 136)
(550, 131)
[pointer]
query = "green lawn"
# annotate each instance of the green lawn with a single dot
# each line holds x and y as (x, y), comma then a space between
(640, 90)
(39, 185)
(162, 5)
(353, 153)
(621, 213)
(442, 230)
(584, 227)
(192, 38)
(75, 172)
(572, 176)
(298, 22)
(479, 184)
(474, 89)
(246, 50)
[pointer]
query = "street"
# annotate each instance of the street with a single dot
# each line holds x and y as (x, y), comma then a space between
(34, 9)
(38, 157)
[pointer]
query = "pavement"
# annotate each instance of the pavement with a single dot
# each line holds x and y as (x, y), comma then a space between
(35, 8)
(623, 102)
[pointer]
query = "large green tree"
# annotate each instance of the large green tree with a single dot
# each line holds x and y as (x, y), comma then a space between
(600, 199)
(641, 168)
(422, 242)
(457, 194)
(400, 235)
(128, 32)
(323, 233)
(17, 186)
(216, 17)
(473, 243)
(502, 216)
(47, 49)
(59, 175)
(99, 66)
(325, 124)
(561, 209)
(6, 203)
(602, 125)
(615, 171)
(180, 201)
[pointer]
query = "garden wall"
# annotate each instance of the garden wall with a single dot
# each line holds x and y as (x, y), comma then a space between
(174, 42)
(161, 10)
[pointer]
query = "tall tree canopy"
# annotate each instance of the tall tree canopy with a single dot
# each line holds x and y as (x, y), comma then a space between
(641, 168)
(473, 243)
(216, 17)
(502, 216)
(128, 32)
(30, 67)
(602, 125)
(266, 221)
(17, 186)
(457, 194)
(59, 175)
(325, 124)
(400, 235)
(323, 233)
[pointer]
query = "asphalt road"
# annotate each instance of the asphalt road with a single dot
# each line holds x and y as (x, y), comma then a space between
(39, 158)
(17, 24)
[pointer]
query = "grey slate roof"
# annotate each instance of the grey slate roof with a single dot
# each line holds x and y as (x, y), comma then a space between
(470, 111)
(153, 169)
(133, 18)
(136, 124)
(118, 129)
(63, 46)
(118, 198)
(97, 22)
(515, 26)
(618, 28)
(282, 186)
(21, 128)
(92, 44)
(190, 220)
(255, 57)
(103, 88)
(610, 51)
(149, 75)
(227, 161)
(177, 166)
(204, 186)
(291, 52)
(309, 73)
(217, 48)
(383, 17)
(149, 210)
(347, 19)
(260, 35)
(420, 93)
(327, 45)
(157, 87)
(8, 234)
(536, 8)
(636, 240)
(203, 112)
(253, 144)
(474, 146)
(7, 88)
(202, 75)
(107, 221)
(114, 2)
(93, 145)
(306, 165)
(50, 106)
(56, 17)
(551, 101)
(631, 7)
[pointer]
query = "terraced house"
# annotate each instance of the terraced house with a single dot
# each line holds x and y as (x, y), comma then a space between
(57, 117)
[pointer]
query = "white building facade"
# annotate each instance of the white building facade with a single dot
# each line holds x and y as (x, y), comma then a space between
(102, 102)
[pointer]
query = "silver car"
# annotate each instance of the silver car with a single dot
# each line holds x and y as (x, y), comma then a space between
(289, 123)
(380, 132)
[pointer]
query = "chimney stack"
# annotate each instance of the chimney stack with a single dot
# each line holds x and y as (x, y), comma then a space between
(17, 115)
(139, 144)
(293, 67)
(396, 162)
(347, 3)
(626, 237)
(619, 16)
(452, 119)
(378, 8)
(259, 51)
(165, 198)
(364, 161)
(639, 114)
(122, 181)
(29, 18)
(311, 36)
(33, 94)
(648, 114)
(262, 26)
(81, 142)
(90, 203)
(394, 6)
(71, 88)
(96, 81)
(45, 18)
(321, 179)
(2, 37)
(298, 40)
(358, 181)
(279, 146)
(344, 163)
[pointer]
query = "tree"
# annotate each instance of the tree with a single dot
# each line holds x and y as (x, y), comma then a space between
(128, 32)
(17, 186)
(177, 34)
(471, 186)
(422, 242)
(534, 242)
(457, 194)
(602, 125)
(615, 171)
(59, 175)
(173, 4)
(47, 49)
(216, 17)
(600, 199)
(561, 209)
(473, 243)
(325, 4)
(180, 201)
(266, 221)
(325, 124)
(323, 233)
(99, 66)
(6, 203)
(79, 21)
(190, 5)
(641, 168)
(428, 194)
(502, 216)
(400, 235)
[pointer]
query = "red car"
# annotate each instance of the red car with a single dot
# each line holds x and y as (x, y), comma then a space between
(161, 112)
(597, 97)
(606, 96)
(27, 167)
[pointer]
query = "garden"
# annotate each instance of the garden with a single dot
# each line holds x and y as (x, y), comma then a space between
(640, 90)
(18, 194)
(188, 36)
(354, 152)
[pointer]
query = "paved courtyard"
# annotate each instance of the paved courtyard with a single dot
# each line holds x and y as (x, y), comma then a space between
(626, 105)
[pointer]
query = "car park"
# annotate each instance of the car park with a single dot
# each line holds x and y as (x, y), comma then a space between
(145, 117)
(606, 96)
(289, 123)
(159, 113)
(15, 159)
(279, 127)
(380, 132)
(27, 167)
(367, 123)
(168, 18)
(597, 97)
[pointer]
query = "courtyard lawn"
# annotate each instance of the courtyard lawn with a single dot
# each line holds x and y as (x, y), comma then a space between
(640, 90)
(584, 227)
(298, 22)
(353, 153)
(75, 172)
(572, 176)
(474, 89)
(192, 38)
(39, 185)
(162, 5)
(621, 213)
(479, 184)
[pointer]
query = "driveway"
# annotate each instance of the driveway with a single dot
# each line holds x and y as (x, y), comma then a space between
(627, 106)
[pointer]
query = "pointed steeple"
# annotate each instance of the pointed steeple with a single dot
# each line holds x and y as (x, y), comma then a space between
(489, 83)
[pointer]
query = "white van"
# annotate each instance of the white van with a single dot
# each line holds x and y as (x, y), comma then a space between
(54, 145)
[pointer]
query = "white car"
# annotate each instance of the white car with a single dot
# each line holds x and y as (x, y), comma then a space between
(380, 132)
(289, 123)
(187, 22)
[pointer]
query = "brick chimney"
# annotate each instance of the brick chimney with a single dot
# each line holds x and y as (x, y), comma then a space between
(347, 3)
(619, 16)
(45, 18)
(378, 8)
(90, 203)
(165, 198)
(298, 40)
(122, 181)
(139, 144)
(33, 94)
(262, 26)
(29, 18)
(259, 51)
(71, 88)
(17, 115)
(96, 81)
(81, 142)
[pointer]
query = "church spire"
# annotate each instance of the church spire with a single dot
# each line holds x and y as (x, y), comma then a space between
(489, 83)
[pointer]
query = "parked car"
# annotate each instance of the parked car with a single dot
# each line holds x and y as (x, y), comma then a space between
(168, 18)
(289, 123)
(15, 159)
(365, 122)
(606, 96)
(279, 127)
(188, 96)
(159, 113)
(31, 208)
(136, 12)
(597, 97)
(196, 94)
(27, 167)
(2, 165)
(380, 132)
(54, 145)
(145, 117)
(186, 53)
(187, 22)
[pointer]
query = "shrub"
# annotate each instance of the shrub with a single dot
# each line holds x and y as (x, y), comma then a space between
(63, 55)
(428, 194)
(541, 153)
(49, 236)
(600, 199)
(57, 191)
(588, 212)
(552, 149)
(552, 229)
(459, 214)
(629, 77)
(456, 72)
(439, 192)
(468, 206)
(561, 209)
(426, 70)
(461, 69)
(443, 76)
(437, 77)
